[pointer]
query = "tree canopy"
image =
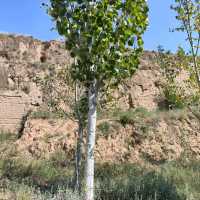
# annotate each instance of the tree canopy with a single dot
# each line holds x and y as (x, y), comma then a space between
(104, 35)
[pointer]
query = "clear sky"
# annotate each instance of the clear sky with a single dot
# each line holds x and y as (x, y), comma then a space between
(29, 18)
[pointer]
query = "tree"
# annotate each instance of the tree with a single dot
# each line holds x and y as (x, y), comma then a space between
(105, 37)
(80, 112)
(178, 91)
(188, 14)
(67, 98)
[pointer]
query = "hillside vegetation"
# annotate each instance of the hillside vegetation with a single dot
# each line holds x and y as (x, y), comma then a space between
(145, 149)
(138, 160)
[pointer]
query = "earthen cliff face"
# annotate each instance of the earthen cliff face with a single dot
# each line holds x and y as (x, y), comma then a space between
(157, 138)
(12, 110)
(23, 59)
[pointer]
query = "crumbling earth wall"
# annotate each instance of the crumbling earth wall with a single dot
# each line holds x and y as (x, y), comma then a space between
(13, 107)
(25, 58)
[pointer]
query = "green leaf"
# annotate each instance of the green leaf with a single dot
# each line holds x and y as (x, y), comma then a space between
(102, 33)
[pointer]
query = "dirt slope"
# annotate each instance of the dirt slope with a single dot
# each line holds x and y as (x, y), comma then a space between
(157, 137)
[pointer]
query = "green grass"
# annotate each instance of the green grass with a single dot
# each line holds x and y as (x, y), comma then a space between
(43, 114)
(36, 179)
(143, 121)
(42, 173)
(6, 136)
(141, 114)
(133, 116)
(51, 179)
(104, 128)
(22, 191)
(176, 180)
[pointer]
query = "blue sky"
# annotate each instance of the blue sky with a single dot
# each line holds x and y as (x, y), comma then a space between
(29, 18)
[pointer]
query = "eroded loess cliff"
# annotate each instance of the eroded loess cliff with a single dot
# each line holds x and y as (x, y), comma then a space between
(155, 136)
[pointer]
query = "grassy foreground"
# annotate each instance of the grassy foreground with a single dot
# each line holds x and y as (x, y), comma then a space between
(48, 179)
(52, 179)
(172, 181)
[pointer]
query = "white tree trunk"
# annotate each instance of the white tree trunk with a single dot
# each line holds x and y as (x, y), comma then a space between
(92, 113)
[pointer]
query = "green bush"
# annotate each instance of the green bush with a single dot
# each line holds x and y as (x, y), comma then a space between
(133, 115)
(185, 175)
(13, 168)
(177, 94)
(42, 114)
(175, 98)
(104, 127)
(59, 159)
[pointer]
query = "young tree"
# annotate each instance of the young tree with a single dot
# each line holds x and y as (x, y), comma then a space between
(80, 112)
(178, 91)
(105, 36)
(188, 14)
(60, 93)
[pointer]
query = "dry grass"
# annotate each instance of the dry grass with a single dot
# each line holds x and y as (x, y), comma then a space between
(52, 178)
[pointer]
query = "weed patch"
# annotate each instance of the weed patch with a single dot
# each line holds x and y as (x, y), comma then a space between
(41, 114)
(7, 137)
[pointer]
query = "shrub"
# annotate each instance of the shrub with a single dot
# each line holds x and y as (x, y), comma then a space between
(40, 115)
(184, 92)
(59, 158)
(42, 173)
(25, 88)
(104, 127)
(44, 114)
(133, 115)
(174, 97)
(177, 180)
(13, 168)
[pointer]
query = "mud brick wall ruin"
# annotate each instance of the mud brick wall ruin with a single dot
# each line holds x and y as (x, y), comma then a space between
(22, 59)
(12, 110)
(12, 105)
(25, 58)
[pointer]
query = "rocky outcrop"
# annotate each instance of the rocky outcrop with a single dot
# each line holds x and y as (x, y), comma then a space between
(142, 89)
(27, 59)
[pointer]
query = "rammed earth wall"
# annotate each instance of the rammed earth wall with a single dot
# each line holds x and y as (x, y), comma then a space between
(3, 77)
(12, 109)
